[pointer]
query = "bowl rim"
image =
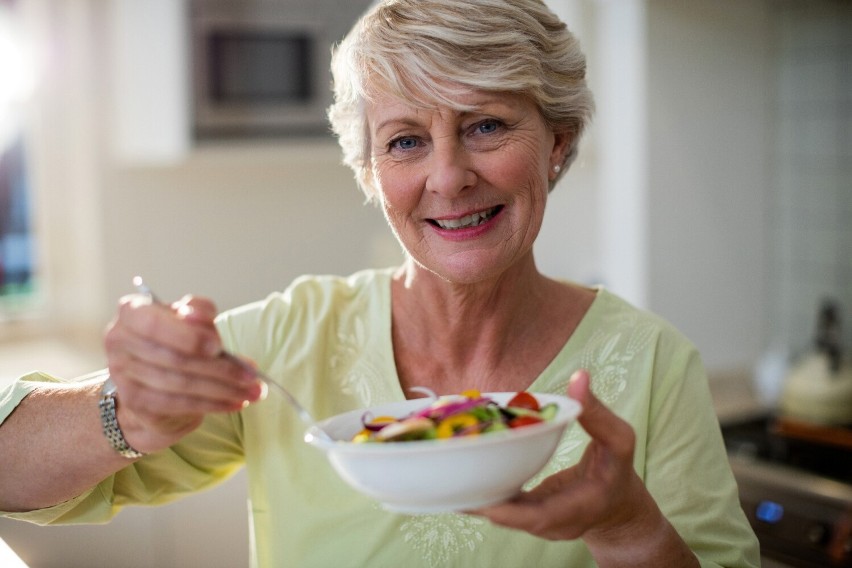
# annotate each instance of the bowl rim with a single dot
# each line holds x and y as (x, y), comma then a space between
(569, 410)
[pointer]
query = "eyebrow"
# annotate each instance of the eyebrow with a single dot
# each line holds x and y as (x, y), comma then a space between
(396, 121)
(479, 106)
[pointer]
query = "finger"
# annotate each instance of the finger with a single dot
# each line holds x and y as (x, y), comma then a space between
(159, 324)
(603, 425)
(124, 346)
(160, 405)
(155, 367)
(196, 309)
(125, 338)
(204, 380)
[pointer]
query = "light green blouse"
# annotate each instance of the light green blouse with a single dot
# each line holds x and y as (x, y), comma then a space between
(329, 338)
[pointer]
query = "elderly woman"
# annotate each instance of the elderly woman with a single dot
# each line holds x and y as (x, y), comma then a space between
(457, 117)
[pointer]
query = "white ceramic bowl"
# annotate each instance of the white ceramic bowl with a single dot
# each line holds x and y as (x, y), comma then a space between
(435, 476)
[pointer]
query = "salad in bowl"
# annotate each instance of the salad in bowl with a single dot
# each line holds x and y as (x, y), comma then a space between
(488, 445)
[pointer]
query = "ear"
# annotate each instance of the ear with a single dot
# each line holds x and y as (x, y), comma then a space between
(562, 140)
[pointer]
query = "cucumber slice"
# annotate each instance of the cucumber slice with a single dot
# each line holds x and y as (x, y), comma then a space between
(549, 411)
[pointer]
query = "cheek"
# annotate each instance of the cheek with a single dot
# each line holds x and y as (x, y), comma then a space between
(526, 157)
(397, 187)
(522, 173)
(397, 193)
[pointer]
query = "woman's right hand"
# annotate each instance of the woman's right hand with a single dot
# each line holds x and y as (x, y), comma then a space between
(168, 370)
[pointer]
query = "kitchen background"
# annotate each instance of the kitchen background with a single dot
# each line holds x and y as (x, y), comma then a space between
(714, 188)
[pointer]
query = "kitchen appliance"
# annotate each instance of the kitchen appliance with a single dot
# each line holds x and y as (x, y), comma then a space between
(818, 388)
(793, 462)
(262, 67)
(795, 484)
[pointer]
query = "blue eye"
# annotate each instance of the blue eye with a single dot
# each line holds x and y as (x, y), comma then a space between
(405, 143)
(488, 126)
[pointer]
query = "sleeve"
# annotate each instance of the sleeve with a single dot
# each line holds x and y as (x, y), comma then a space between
(12, 395)
(687, 468)
(204, 458)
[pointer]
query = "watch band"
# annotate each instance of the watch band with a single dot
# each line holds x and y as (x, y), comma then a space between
(109, 421)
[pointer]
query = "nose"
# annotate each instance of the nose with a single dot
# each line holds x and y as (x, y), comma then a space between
(450, 169)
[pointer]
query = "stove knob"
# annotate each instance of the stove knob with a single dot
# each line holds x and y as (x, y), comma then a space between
(818, 534)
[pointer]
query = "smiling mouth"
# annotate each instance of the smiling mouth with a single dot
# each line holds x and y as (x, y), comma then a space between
(472, 220)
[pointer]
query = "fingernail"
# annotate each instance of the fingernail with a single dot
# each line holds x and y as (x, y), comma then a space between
(264, 390)
(255, 393)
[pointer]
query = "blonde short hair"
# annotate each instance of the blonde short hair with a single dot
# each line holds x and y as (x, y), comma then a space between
(427, 51)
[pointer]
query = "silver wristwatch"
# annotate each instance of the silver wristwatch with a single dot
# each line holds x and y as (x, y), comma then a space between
(112, 430)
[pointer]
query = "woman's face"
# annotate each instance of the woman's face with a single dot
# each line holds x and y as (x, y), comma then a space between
(464, 192)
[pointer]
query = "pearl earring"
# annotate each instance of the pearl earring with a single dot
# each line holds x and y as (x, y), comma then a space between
(557, 168)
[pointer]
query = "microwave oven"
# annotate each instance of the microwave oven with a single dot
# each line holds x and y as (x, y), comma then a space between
(261, 68)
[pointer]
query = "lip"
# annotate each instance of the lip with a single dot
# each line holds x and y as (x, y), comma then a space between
(467, 232)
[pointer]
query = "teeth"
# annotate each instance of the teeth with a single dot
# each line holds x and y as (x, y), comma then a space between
(467, 221)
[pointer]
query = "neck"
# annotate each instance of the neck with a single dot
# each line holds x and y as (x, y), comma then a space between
(451, 336)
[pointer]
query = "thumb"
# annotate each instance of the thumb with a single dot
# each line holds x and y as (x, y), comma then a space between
(596, 419)
(580, 389)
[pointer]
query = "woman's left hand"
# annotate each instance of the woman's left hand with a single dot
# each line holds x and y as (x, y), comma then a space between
(601, 499)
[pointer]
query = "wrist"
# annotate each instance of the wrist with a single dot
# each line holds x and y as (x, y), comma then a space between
(108, 406)
(641, 538)
(149, 433)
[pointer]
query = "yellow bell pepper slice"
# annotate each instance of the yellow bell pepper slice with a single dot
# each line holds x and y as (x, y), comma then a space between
(362, 436)
(452, 425)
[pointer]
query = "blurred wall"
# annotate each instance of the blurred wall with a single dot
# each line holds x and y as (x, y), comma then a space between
(709, 116)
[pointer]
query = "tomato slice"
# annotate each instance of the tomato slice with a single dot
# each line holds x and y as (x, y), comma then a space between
(522, 421)
(524, 399)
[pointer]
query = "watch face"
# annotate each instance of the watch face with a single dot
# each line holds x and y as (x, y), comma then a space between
(108, 388)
